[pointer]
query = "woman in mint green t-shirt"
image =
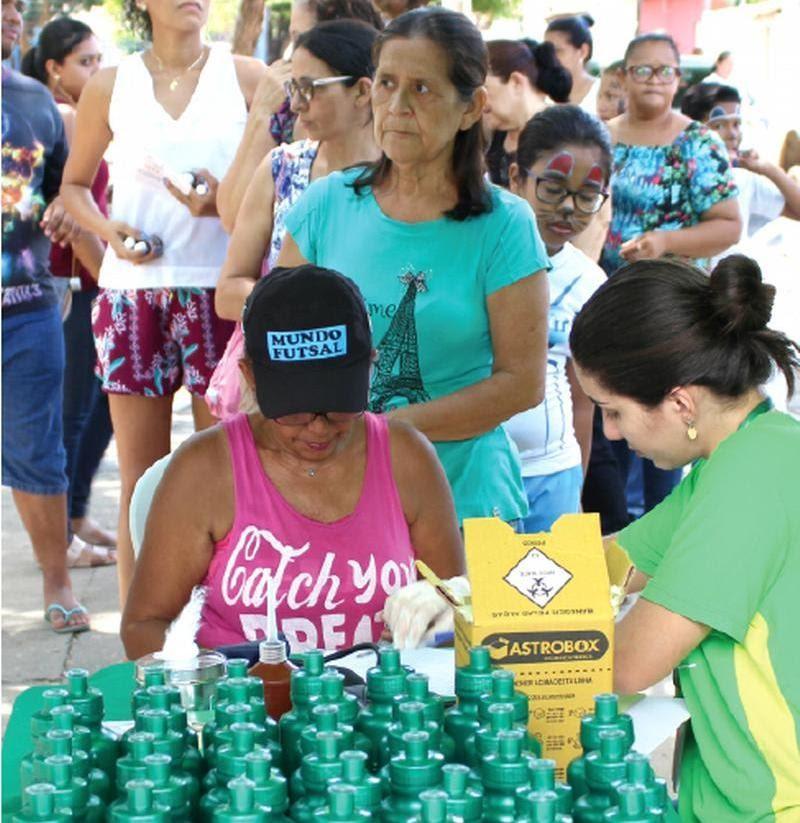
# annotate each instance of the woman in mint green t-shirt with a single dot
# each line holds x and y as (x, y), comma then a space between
(675, 361)
(447, 264)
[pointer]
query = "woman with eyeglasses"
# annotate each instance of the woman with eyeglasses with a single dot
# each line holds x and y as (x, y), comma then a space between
(173, 115)
(672, 191)
(330, 94)
(451, 266)
(309, 492)
(562, 167)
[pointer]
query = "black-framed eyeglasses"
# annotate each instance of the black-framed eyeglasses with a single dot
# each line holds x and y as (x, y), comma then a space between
(304, 418)
(587, 201)
(663, 74)
(305, 87)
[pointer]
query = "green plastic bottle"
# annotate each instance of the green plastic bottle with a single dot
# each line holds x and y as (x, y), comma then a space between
(411, 772)
(170, 790)
(241, 806)
(230, 713)
(434, 807)
(606, 717)
(138, 806)
(151, 676)
(309, 785)
(39, 805)
(418, 691)
(42, 720)
(333, 692)
(604, 768)
(271, 787)
(504, 774)
(472, 680)
(502, 691)
(132, 765)
(342, 806)
(72, 795)
(409, 716)
(638, 771)
(305, 684)
(88, 702)
(632, 806)
(73, 744)
(166, 740)
(384, 682)
(500, 718)
(325, 718)
(541, 806)
(542, 777)
(367, 787)
(231, 763)
(464, 802)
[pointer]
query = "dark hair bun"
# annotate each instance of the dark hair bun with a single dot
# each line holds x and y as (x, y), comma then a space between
(740, 301)
(588, 20)
(552, 78)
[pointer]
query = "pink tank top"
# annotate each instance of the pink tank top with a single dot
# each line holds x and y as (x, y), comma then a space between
(332, 578)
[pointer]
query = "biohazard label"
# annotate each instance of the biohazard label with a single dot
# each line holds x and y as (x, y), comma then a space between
(538, 578)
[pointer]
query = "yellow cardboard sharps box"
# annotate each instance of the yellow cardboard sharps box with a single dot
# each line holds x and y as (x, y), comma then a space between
(541, 603)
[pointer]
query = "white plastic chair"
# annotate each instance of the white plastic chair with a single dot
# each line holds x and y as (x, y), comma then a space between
(142, 498)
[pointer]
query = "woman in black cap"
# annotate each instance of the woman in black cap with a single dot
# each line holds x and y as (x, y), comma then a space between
(311, 491)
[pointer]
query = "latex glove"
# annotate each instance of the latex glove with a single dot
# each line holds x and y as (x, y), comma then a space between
(416, 613)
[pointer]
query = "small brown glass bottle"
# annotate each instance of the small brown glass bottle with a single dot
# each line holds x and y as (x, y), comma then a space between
(275, 670)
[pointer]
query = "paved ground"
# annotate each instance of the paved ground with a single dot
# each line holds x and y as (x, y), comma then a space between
(31, 653)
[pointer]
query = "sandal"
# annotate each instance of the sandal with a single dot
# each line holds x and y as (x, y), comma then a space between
(68, 614)
(82, 555)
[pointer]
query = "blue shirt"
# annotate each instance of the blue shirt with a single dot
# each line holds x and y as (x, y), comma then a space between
(426, 285)
(34, 153)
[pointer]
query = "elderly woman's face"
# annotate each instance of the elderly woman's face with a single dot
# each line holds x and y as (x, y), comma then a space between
(418, 111)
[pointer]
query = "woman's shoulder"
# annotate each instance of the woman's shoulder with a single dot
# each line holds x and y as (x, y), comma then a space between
(507, 205)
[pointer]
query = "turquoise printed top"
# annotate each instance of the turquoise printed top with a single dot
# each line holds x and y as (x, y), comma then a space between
(665, 187)
(426, 286)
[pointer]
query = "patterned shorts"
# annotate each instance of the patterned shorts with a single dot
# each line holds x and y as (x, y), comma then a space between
(151, 341)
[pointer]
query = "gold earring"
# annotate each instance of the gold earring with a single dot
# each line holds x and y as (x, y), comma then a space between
(691, 431)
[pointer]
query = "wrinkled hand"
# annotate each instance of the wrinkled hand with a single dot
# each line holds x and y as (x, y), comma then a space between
(117, 231)
(200, 205)
(647, 246)
(270, 94)
(59, 226)
(416, 613)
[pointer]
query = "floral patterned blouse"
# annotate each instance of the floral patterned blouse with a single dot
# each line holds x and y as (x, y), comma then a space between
(665, 187)
(291, 171)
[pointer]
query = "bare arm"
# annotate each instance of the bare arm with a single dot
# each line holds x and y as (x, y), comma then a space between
(91, 138)
(256, 143)
(650, 641)
(719, 228)
(785, 184)
(88, 248)
(248, 246)
(518, 324)
(185, 519)
(427, 501)
(290, 253)
(582, 414)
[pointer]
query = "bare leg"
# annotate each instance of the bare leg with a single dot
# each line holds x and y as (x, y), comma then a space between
(142, 428)
(45, 519)
(203, 418)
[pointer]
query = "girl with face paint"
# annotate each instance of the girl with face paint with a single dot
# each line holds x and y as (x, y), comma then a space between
(562, 170)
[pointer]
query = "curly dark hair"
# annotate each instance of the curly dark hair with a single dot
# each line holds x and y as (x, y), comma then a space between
(137, 20)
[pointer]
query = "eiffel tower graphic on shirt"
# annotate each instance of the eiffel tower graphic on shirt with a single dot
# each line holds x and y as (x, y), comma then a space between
(399, 345)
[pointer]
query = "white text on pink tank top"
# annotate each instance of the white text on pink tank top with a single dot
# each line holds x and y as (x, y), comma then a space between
(333, 607)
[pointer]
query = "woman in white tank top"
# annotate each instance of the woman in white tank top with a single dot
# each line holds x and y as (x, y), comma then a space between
(179, 107)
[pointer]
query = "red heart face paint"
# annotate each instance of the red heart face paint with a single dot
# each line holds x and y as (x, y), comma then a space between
(562, 163)
(595, 176)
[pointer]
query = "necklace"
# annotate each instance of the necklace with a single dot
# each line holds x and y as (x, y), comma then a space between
(173, 84)
(311, 472)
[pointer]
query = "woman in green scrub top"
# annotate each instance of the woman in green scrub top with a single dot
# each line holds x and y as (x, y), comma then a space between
(675, 361)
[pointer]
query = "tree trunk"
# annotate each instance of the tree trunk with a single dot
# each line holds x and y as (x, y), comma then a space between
(248, 26)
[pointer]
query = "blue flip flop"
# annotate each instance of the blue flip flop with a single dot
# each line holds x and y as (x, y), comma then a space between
(67, 613)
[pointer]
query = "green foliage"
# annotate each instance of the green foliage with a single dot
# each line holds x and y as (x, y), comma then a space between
(496, 8)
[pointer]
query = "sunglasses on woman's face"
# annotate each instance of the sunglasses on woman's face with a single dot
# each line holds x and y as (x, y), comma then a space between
(305, 87)
(304, 418)
(663, 74)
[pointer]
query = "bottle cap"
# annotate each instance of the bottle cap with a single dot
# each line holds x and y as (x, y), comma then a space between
(341, 801)
(354, 766)
(388, 678)
(464, 801)
(39, 799)
(242, 794)
(632, 802)
(606, 717)
(140, 744)
(272, 652)
(87, 700)
(238, 666)
(542, 806)
(157, 767)
(434, 806)
(475, 679)
(258, 766)
(542, 774)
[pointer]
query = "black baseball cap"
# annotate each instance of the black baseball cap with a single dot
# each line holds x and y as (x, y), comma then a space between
(307, 334)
